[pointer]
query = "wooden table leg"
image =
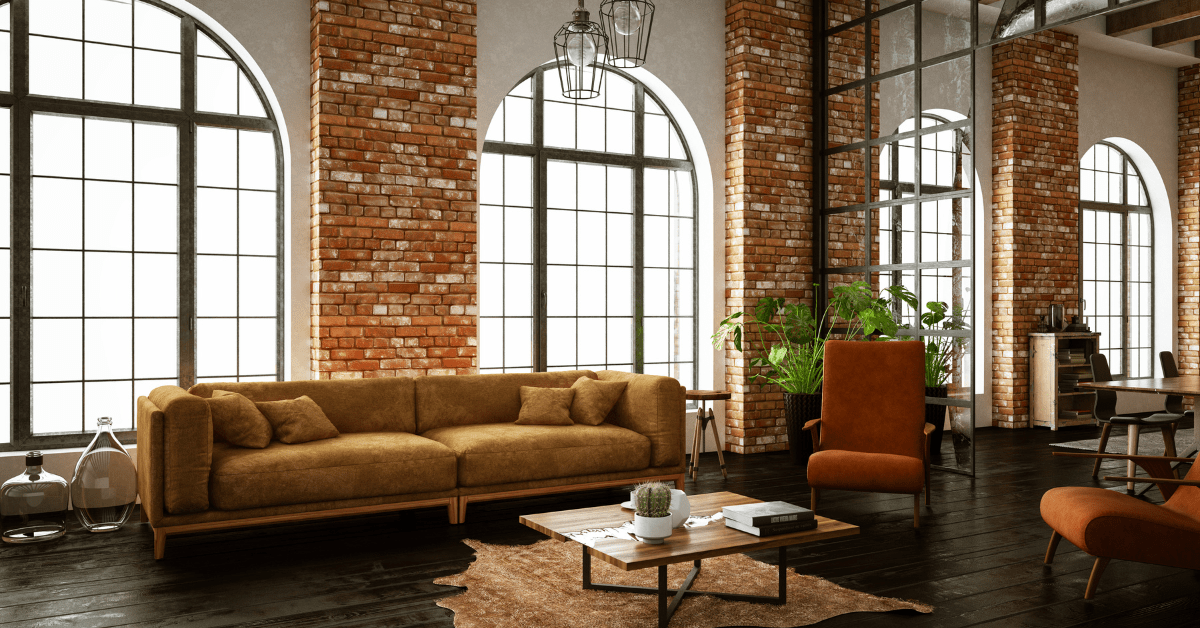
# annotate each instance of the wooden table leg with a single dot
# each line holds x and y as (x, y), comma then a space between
(712, 421)
(697, 440)
(1130, 467)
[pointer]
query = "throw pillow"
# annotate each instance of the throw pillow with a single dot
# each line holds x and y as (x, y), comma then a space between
(594, 399)
(297, 420)
(545, 406)
(237, 421)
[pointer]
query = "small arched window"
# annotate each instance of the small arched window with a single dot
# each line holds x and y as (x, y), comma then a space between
(587, 233)
(1117, 241)
(141, 184)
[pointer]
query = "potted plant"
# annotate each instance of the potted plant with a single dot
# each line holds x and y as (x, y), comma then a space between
(652, 512)
(793, 358)
(940, 355)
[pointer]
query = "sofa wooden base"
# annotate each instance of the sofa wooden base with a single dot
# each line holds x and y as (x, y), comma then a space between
(677, 478)
(161, 533)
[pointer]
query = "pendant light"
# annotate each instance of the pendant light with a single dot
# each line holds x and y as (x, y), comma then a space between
(581, 48)
(627, 23)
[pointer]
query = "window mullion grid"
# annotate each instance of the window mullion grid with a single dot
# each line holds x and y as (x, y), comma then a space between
(186, 323)
(540, 239)
(20, 255)
(639, 231)
(917, 158)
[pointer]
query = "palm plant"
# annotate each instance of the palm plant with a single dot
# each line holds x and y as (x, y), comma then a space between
(795, 361)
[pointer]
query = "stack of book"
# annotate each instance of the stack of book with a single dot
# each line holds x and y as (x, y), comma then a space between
(1072, 414)
(768, 518)
(1072, 356)
(1067, 382)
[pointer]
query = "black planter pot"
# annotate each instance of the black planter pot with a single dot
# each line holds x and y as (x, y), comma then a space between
(799, 409)
(936, 415)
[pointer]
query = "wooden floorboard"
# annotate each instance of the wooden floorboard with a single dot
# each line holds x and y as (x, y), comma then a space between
(977, 557)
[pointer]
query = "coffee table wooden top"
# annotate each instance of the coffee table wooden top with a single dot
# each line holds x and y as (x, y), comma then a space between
(684, 544)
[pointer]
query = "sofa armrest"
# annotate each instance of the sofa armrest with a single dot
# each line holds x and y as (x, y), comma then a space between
(186, 449)
(150, 459)
(655, 407)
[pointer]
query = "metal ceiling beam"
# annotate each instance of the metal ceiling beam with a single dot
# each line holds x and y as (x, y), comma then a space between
(1151, 15)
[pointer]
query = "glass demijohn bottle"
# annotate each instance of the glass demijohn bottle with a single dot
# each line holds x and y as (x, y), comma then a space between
(104, 488)
(33, 505)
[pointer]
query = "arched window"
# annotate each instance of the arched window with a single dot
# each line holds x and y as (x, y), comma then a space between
(1117, 243)
(587, 233)
(142, 182)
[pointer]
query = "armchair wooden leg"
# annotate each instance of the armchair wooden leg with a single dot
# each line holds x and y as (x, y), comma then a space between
(916, 511)
(145, 515)
(1094, 579)
(1103, 443)
(1055, 537)
(815, 492)
(160, 544)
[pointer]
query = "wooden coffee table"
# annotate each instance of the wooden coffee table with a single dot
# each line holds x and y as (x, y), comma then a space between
(684, 544)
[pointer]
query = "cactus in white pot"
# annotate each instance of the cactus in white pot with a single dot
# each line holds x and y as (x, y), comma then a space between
(652, 512)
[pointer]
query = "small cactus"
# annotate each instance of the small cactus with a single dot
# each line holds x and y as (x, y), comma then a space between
(652, 499)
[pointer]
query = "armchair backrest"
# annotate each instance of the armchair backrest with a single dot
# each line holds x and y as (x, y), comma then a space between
(873, 397)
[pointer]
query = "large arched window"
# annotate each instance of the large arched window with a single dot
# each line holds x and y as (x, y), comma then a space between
(587, 233)
(1117, 242)
(141, 184)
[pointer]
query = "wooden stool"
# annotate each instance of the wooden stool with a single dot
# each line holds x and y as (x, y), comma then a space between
(704, 419)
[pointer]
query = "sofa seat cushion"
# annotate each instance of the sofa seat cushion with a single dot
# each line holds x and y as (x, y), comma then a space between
(500, 453)
(351, 466)
(858, 471)
(1113, 525)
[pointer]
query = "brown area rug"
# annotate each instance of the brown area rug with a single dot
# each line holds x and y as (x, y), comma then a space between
(538, 585)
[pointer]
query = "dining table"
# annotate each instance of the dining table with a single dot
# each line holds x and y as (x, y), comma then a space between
(1183, 385)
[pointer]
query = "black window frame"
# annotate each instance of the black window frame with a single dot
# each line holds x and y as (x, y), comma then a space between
(1127, 210)
(22, 106)
(637, 162)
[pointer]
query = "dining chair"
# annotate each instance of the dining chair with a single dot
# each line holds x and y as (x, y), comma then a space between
(873, 434)
(1105, 411)
(1174, 403)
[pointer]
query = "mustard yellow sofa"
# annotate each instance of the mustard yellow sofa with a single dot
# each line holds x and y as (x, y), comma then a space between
(404, 443)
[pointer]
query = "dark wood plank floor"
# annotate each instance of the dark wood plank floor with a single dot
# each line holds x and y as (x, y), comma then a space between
(977, 558)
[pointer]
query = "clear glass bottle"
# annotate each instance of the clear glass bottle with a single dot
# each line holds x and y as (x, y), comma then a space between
(33, 505)
(104, 489)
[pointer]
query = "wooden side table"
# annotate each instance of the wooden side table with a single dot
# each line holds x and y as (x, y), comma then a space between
(705, 419)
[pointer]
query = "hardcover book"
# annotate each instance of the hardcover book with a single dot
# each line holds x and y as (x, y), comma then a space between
(768, 513)
(773, 529)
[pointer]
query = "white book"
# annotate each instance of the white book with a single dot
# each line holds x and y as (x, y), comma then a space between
(766, 513)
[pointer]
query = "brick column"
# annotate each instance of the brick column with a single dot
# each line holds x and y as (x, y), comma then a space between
(393, 188)
(768, 189)
(1035, 203)
(1188, 356)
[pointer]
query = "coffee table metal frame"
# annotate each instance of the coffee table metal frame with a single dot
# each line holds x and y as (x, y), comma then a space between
(662, 593)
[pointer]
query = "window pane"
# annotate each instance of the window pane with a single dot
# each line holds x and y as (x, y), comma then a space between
(257, 346)
(216, 85)
(58, 18)
(108, 219)
(256, 223)
(156, 285)
(216, 285)
(109, 345)
(155, 343)
(57, 283)
(156, 78)
(57, 408)
(155, 210)
(256, 287)
(109, 22)
(249, 103)
(216, 157)
(155, 28)
(108, 284)
(216, 347)
(57, 213)
(57, 349)
(57, 145)
(108, 149)
(109, 76)
(55, 67)
(256, 160)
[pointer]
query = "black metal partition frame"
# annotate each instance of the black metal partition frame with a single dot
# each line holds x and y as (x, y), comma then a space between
(857, 78)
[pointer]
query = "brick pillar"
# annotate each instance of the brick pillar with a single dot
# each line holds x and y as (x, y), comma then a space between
(393, 188)
(1035, 203)
(1188, 356)
(768, 189)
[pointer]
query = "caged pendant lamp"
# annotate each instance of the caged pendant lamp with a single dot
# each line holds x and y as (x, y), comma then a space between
(581, 48)
(627, 24)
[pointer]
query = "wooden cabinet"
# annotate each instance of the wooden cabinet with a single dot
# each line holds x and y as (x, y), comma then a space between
(1057, 361)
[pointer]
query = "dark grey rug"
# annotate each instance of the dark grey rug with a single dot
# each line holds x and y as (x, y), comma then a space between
(1150, 442)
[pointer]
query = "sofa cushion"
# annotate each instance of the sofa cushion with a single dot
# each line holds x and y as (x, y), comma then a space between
(448, 400)
(594, 399)
(295, 421)
(382, 404)
(545, 406)
(858, 471)
(237, 421)
(351, 466)
(505, 452)
(1113, 525)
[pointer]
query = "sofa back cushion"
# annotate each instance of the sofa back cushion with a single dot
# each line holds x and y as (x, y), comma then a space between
(450, 400)
(353, 405)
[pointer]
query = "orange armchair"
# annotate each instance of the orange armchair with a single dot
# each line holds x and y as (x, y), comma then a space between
(873, 435)
(1110, 525)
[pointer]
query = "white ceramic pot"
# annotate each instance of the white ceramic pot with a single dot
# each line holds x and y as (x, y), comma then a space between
(652, 530)
(681, 508)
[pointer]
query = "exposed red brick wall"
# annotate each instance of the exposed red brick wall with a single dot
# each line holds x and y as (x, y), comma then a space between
(1188, 295)
(393, 188)
(1035, 203)
(768, 189)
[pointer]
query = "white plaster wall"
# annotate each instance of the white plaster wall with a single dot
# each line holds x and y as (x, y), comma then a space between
(687, 53)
